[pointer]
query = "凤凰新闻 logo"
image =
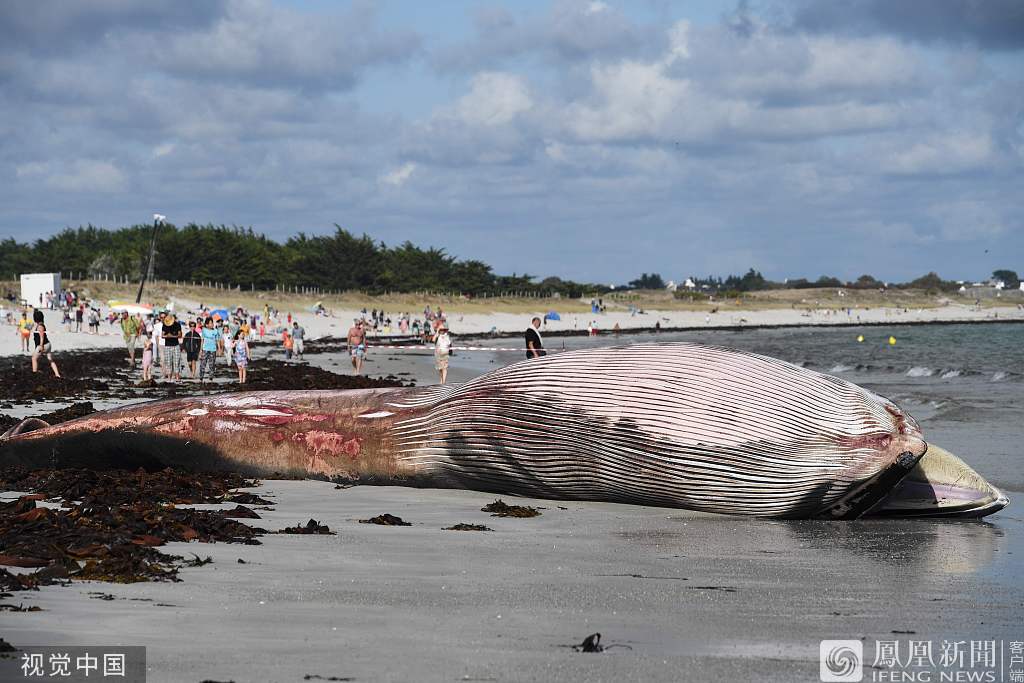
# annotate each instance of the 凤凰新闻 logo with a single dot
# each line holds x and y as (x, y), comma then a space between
(841, 661)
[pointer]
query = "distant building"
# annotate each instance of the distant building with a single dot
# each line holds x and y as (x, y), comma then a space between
(671, 286)
(34, 287)
(690, 284)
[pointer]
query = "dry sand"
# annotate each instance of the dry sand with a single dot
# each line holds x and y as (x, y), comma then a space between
(503, 322)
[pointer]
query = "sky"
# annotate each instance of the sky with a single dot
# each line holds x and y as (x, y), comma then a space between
(592, 139)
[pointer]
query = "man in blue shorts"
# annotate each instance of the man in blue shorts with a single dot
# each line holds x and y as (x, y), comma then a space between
(357, 345)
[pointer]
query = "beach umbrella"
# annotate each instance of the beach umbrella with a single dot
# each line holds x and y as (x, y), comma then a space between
(132, 308)
(553, 315)
(221, 313)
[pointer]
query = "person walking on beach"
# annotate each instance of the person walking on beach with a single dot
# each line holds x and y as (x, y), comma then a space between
(534, 344)
(79, 315)
(192, 344)
(442, 350)
(147, 358)
(208, 352)
(171, 358)
(43, 348)
(24, 331)
(241, 355)
(130, 330)
(157, 336)
(357, 346)
(286, 341)
(227, 345)
(298, 332)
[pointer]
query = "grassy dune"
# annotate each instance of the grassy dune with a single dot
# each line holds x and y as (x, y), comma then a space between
(161, 292)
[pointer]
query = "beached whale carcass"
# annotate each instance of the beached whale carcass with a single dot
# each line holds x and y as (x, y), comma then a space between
(677, 425)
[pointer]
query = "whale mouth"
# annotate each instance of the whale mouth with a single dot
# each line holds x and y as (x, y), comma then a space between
(941, 485)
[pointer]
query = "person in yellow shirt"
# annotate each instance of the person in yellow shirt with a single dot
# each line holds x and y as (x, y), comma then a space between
(24, 331)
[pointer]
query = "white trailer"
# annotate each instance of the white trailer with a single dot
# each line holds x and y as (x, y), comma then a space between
(34, 287)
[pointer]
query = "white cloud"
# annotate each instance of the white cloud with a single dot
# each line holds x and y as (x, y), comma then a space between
(163, 149)
(80, 175)
(398, 176)
(948, 152)
(494, 99)
(259, 41)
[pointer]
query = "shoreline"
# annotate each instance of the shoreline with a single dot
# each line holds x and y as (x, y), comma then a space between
(505, 325)
(764, 326)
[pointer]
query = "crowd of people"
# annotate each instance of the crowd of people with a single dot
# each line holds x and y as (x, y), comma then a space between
(194, 345)
(380, 322)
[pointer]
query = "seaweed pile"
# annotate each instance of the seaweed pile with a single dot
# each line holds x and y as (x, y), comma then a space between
(275, 374)
(500, 508)
(104, 375)
(81, 372)
(110, 523)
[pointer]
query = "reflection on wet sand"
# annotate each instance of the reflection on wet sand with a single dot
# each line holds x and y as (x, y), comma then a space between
(951, 547)
(928, 546)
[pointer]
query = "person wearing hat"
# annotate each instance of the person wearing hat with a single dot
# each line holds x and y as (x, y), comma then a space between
(171, 358)
(130, 329)
(442, 350)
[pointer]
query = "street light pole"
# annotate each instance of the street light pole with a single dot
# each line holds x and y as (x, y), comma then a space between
(157, 221)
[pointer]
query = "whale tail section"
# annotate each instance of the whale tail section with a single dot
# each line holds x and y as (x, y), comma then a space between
(25, 426)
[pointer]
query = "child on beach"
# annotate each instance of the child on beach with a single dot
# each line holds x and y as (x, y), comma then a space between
(227, 344)
(442, 349)
(147, 358)
(241, 355)
(287, 345)
(25, 330)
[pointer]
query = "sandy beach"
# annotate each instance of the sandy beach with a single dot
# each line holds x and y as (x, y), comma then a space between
(680, 595)
(506, 323)
(675, 594)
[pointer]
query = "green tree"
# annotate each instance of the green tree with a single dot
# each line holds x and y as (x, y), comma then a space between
(645, 281)
(1008, 277)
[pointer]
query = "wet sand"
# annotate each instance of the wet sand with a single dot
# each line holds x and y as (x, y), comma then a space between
(692, 596)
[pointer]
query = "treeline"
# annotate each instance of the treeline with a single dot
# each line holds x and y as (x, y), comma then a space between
(234, 256)
(754, 281)
(238, 256)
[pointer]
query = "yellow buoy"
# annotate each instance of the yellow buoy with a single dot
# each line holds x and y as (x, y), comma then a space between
(892, 341)
(860, 337)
